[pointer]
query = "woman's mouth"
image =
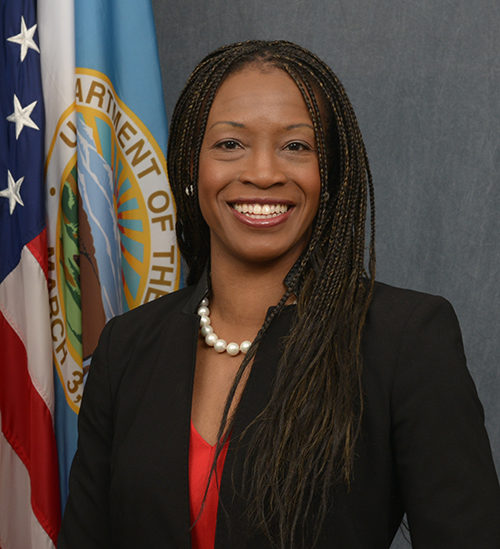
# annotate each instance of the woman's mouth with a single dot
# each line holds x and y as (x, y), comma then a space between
(260, 211)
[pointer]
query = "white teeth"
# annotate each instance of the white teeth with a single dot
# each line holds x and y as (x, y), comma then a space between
(261, 211)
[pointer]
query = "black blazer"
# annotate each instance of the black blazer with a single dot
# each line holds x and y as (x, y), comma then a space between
(423, 448)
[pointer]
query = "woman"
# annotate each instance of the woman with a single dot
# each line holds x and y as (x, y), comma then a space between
(351, 406)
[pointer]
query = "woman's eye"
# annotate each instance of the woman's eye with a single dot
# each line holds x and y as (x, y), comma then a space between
(297, 146)
(228, 144)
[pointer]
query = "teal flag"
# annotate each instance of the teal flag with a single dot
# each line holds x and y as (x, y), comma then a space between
(112, 243)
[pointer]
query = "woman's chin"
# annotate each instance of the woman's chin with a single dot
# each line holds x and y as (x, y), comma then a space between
(261, 257)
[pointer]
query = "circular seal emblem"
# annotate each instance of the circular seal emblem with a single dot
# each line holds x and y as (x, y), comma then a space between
(111, 223)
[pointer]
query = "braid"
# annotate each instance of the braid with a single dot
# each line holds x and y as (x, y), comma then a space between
(303, 441)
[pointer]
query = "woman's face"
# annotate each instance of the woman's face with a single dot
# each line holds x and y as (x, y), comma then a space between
(259, 181)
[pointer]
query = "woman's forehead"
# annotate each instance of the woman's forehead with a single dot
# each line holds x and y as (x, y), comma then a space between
(251, 85)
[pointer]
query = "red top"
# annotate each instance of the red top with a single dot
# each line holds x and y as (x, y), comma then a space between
(201, 457)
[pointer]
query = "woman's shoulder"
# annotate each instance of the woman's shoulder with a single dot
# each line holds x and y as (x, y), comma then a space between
(138, 335)
(401, 319)
(150, 318)
(393, 305)
(388, 296)
(165, 306)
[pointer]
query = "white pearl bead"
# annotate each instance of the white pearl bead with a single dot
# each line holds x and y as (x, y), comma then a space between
(204, 311)
(245, 346)
(211, 339)
(204, 320)
(220, 345)
(205, 330)
(233, 349)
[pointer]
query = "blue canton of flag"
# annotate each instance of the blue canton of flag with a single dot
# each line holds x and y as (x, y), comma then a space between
(21, 141)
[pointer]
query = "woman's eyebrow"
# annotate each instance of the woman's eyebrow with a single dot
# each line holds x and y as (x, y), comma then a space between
(301, 125)
(228, 122)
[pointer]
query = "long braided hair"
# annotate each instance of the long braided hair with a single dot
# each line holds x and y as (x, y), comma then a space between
(303, 441)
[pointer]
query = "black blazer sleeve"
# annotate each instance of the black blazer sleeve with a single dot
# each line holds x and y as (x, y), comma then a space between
(87, 516)
(447, 476)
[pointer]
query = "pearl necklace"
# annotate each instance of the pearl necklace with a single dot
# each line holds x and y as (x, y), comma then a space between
(212, 339)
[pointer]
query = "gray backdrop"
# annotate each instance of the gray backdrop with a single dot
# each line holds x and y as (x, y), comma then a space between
(424, 78)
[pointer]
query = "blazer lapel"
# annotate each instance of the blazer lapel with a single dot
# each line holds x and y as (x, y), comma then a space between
(168, 407)
(155, 435)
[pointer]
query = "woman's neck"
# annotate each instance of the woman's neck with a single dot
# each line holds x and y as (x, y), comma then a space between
(242, 294)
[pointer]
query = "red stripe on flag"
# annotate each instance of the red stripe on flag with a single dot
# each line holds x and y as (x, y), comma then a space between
(38, 247)
(27, 425)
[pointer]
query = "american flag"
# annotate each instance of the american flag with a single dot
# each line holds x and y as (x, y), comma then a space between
(29, 491)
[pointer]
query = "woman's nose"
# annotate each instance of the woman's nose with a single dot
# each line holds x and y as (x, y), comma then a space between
(264, 169)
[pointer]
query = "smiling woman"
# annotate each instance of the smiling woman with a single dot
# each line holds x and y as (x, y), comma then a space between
(283, 399)
(259, 182)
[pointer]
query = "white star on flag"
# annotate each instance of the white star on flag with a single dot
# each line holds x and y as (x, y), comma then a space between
(12, 192)
(25, 38)
(21, 116)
